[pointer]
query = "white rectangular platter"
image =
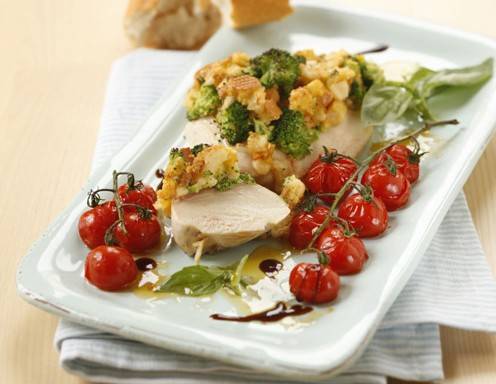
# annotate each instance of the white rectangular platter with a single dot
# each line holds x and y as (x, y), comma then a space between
(50, 276)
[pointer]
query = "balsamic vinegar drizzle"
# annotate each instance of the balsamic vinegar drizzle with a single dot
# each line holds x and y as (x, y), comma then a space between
(270, 267)
(159, 173)
(146, 264)
(276, 313)
(379, 48)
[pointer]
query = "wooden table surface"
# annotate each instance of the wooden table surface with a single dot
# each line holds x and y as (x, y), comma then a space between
(55, 57)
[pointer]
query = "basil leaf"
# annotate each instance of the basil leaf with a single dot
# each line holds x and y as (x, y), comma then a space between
(384, 103)
(420, 75)
(428, 84)
(196, 280)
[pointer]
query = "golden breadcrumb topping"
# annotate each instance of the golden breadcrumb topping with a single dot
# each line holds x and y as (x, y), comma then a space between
(260, 150)
(293, 190)
(292, 193)
(190, 171)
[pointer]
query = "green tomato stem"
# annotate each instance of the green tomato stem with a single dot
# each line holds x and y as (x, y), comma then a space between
(118, 200)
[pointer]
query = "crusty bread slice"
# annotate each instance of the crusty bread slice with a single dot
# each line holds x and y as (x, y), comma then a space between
(173, 24)
(245, 13)
(187, 24)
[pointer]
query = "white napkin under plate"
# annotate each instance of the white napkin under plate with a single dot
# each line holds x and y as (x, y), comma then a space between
(453, 284)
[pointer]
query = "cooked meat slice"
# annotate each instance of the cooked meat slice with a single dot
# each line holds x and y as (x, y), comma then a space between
(202, 131)
(348, 138)
(225, 219)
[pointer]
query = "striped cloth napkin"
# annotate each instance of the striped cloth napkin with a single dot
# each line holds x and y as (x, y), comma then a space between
(452, 285)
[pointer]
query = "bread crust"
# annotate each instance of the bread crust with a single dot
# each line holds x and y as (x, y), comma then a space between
(172, 24)
(187, 24)
(247, 13)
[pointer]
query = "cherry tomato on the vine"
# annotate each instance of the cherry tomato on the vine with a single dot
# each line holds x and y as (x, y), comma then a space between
(110, 268)
(346, 252)
(304, 224)
(366, 213)
(407, 161)
(328, 174)
(141, 195)
(314, 283)
(94, 223)
(388, 183)
(148, 190)
(143, 232)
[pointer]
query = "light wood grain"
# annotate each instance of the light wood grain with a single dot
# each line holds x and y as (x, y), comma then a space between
(54, 60)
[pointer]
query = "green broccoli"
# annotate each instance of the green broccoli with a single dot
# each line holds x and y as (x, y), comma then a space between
(277, 67)
(367, 73)
(198, 148)
(371, 72)
(262, 128)
(291, 134)
(205, 104)
(235, 123)
(357, 93)
(175, 153)
(225, 183)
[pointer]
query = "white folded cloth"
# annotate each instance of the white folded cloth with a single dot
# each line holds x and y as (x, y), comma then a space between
(453, 284)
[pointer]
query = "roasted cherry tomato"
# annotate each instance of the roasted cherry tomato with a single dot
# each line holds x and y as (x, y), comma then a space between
(314, 283)
(110, 268)
(388, 183)
(148, 190)
(143, 231)
(94, 223)
(304, 224)
(142, 195)
(365, 213)
(328, 174)
(346, 252)
(407, 161)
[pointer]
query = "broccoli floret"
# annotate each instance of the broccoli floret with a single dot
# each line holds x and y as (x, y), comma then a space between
(235, 123)
(198, 148)
(357, 92)
(276, 67)
(371, 72)
(225, 183)
(366, 74)
(300, 59)
(262, 128)
(205, 104)
(291, 134)
(175, 153)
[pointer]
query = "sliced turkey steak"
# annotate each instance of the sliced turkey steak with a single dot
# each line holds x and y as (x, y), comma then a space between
(348, 138)
(215, 220)
(202, 131)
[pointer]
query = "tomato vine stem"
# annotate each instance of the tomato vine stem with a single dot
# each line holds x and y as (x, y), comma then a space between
(118, 200)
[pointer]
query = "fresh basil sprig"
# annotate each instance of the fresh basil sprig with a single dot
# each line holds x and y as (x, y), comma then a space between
(388, 101)
(200, 280)
(428, 83)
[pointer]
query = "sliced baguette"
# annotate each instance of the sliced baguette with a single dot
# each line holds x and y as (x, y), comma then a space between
(243, 13)
(188, 24)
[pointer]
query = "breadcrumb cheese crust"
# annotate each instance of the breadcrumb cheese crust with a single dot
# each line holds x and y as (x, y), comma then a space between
(190, 172)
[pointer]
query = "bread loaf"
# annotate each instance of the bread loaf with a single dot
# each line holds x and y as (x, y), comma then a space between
(245, 13)
(187, 24)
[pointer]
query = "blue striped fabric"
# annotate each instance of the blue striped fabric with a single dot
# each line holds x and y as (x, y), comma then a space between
(407, 345)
